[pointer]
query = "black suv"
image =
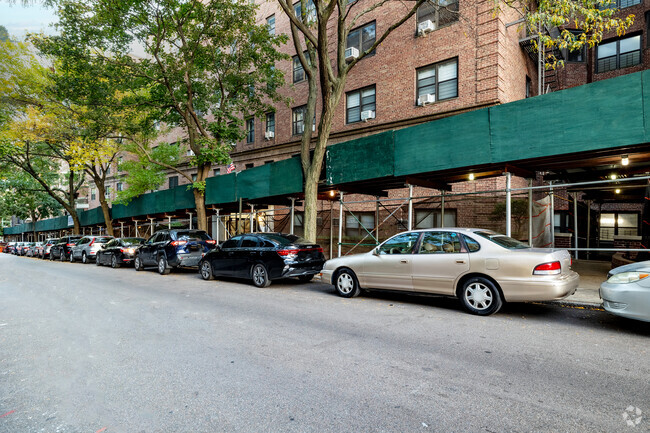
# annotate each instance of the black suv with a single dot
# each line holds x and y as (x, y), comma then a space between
(61, 250)
(169, 249)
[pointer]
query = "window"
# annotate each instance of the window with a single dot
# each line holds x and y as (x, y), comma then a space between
(268, 162)
(173, 181)
(108, 169)
(441, 14)
(439, 80)
(250, 242)
(618, 224)
(107, 193)
(354, 229)
(359, 101)
(231, 243)
(270, 122)
(270, 23)
(619, 54)
(529, 86)
(194, 178)
(362, 38)
(440, 243)
(250, 130)
(620, 4)
(119, 187)
(472, 245)
(400, 244)
(298, 70)
(298, 121)
(249, 165)
(189, 152)
(310, 13)
(576, 56)
(428, 218)
(93, 194)
(217, 171)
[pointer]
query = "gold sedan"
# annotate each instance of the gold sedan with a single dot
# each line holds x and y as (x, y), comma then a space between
(480, 267)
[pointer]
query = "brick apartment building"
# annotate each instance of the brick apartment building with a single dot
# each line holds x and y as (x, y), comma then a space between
(467, 59)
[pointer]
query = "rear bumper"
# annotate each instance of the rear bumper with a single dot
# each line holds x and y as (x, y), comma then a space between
(299, 270)
(186, 260)
(550, 288)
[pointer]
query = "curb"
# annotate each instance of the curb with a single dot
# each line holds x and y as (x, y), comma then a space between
(576, 304)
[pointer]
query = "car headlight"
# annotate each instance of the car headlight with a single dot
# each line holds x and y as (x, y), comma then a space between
(627, 277)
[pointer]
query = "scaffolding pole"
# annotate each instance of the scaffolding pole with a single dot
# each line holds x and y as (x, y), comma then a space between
(575, 222)
(410, 215)
(442, 209)
(508, 205)
(340, 222)
(251, 218)
(293, 212)
(530, 213)
(552, 194)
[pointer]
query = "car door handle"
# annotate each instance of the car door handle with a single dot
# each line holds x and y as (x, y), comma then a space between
(460, 262)
(404, 261)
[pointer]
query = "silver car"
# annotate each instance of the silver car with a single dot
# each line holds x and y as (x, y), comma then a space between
(626, 292)
(87, 247)
(480, 267)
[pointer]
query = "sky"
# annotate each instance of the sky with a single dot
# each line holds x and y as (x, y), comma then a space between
(20, 19)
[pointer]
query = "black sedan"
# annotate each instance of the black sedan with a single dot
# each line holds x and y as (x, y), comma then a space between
(263, 257)
(118, 252)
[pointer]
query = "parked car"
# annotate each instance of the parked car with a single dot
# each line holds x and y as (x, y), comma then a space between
(24, 248)
(118, 252)
(47, 245)
(480, 267)
(32, 251)
(263, 257)
(175, 248)
(9, 249)
(3, 245)
(61, 250)
(626, 292)
(86, 248)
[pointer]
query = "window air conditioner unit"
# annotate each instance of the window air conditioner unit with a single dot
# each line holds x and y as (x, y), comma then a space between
(427, 99)
(269, 135)
(351, 54)
(368, 114)
(425, 27)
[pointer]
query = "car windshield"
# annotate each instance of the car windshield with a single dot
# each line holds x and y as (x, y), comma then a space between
(503, 240)
(283, 239)
(192, 236)
(132, 241)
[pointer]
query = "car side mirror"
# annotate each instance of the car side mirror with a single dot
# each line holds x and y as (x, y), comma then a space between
(103, 246)
(375, 252)
(142, 242)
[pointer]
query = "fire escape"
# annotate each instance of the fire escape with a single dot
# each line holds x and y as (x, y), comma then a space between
(548, 78)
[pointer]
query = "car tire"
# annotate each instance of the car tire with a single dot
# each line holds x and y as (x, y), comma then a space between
(84, 258)
(346, 284)
(114, 263)
(480, 296)
(305, 278)
(205, 269)
(260, 276)
(71, 257)
(163, 267)
(62, 256)
(137, 264)
(51, 256)
(97, 261)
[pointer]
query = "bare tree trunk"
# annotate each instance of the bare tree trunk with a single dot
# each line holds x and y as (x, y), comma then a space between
(107, 215)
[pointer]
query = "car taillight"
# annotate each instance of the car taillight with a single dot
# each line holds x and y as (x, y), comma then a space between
(288, 253)
(127, 250)
(69, 245)
(319, 250)
(177, 243)
(211, 241)
(551, 268)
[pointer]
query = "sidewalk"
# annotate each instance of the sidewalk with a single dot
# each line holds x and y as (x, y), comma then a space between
(592, 273)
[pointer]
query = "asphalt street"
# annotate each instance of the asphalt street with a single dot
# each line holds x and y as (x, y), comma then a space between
(93, 349)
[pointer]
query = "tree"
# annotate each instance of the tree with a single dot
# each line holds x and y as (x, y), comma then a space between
(320, 28)
(23, 197)
(33, 144)
(4, 34)
(206, 66)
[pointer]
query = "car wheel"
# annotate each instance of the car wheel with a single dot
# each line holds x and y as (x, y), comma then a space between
(51, 256)
(163, 269)
(71, 257)
(62, 256)
(205, 269)
(306, 278)
(260, 276)
(84, 258)
(137, 264)
(480, 296)
(97, 261)
(347, 285)
(114, 263)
